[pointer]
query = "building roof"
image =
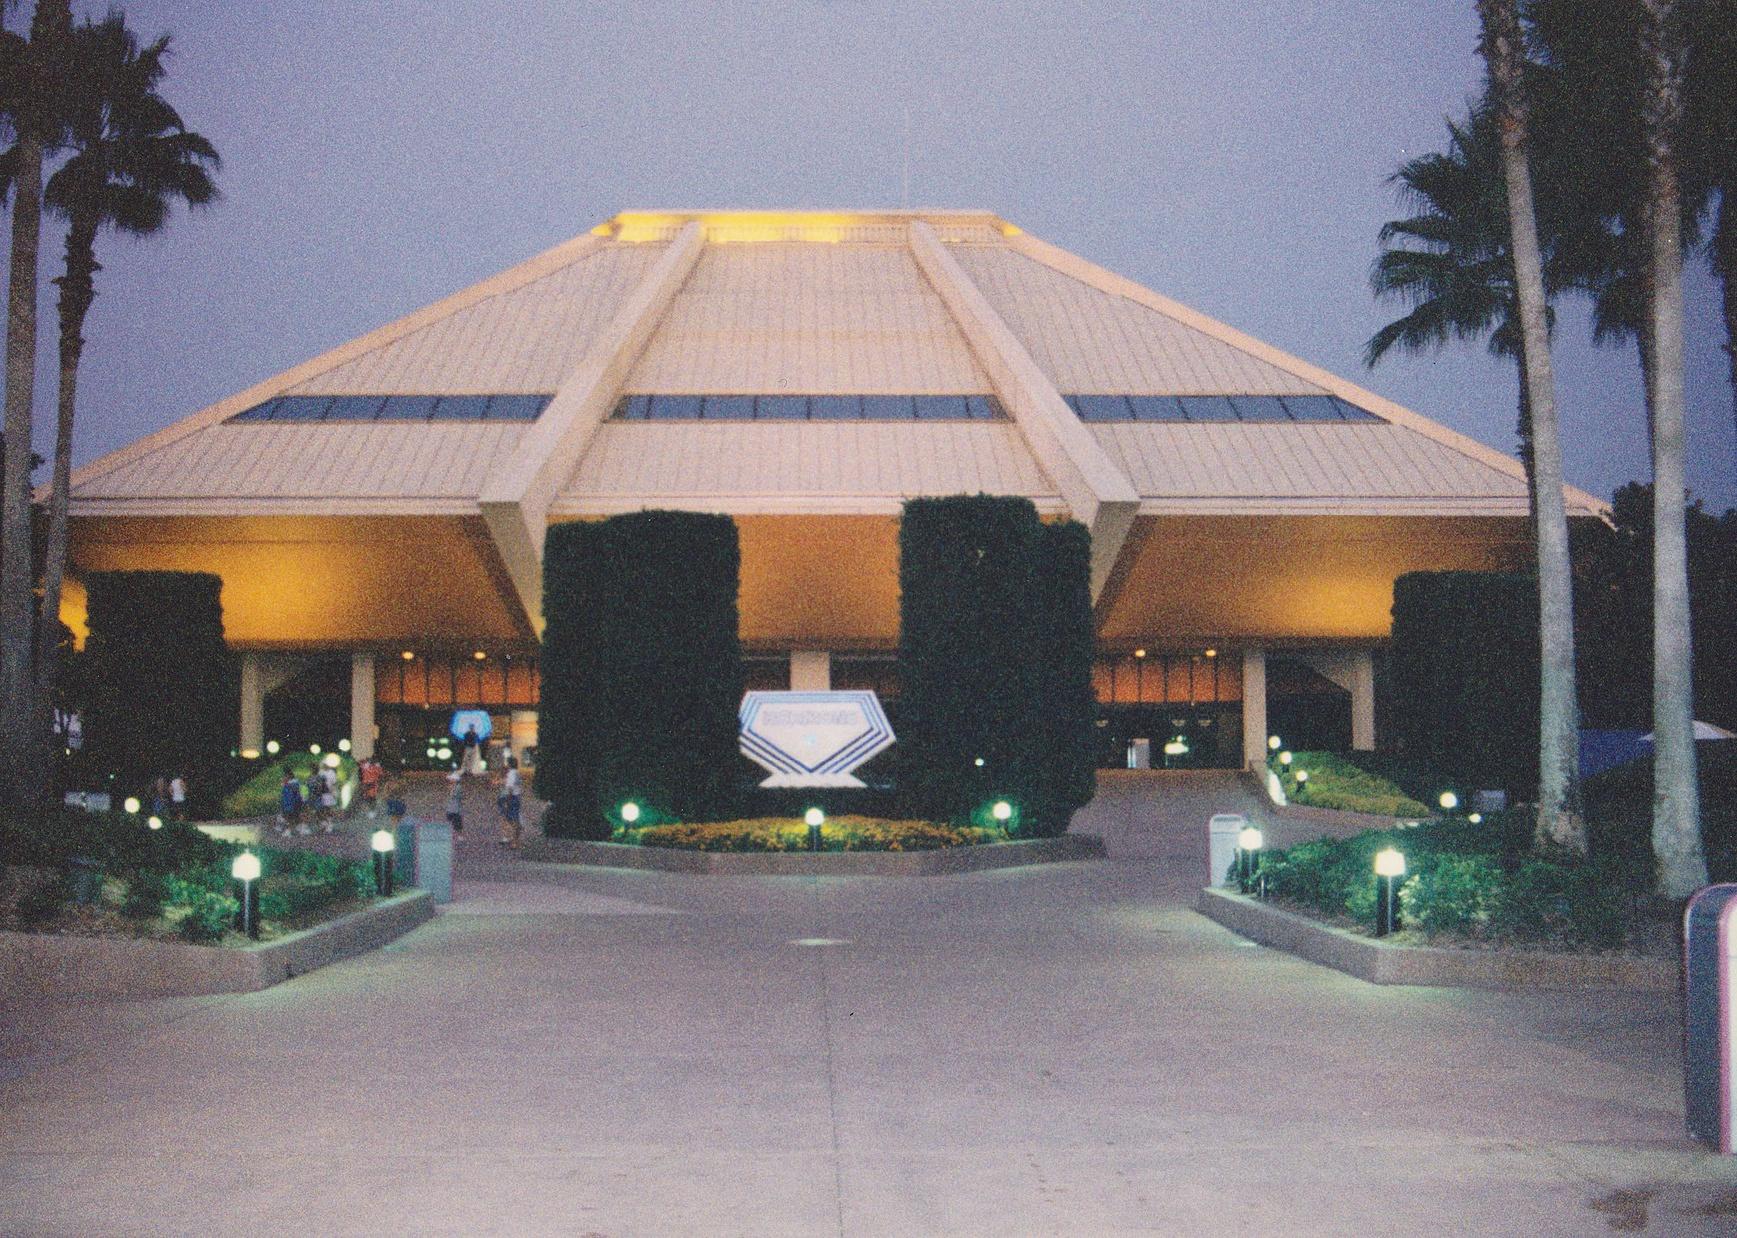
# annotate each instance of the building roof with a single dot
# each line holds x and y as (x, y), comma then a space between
(802, 310)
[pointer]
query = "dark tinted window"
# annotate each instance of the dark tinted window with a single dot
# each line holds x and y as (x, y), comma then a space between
(397, 408)
(835, 407)
(1103, 408)
(408, 408)
(781, 408)
(1156, 408)
(982, 408)
(940, 407)
(888, 408)
(1207, 407)
(676, 407)
(729, 408)
(1261, 408)
(517, 407)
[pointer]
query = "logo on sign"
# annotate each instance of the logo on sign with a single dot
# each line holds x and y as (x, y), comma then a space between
(813, 739)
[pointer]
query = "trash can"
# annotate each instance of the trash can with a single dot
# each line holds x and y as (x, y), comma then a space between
(404, 863)
(1710, 1016)
(1221, 832)
(434, 859)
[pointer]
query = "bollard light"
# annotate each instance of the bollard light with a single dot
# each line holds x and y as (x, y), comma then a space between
(131, 803)
(1285, 758)
(978, 762)
(273, 747)
(815, 819)
(1449, 801)
(1249, 842)
(331, 760)
(343, 745)
(1274, 743)
(1389, 871)
(314, 749)
(384, 843)
(1002, 810)
(630, 812)
(155, 823)
(1476, 818)
(1302, 776)
(245, 869)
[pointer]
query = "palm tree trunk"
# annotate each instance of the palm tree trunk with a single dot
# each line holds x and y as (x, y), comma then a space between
(1725, 263)
(1676, 799)
(1560, 824)
(17, 563)
(77, 291)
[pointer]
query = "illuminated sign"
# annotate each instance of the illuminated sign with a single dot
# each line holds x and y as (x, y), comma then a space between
(813, 739)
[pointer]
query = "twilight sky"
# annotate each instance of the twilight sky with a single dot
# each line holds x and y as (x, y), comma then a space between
(381, 154)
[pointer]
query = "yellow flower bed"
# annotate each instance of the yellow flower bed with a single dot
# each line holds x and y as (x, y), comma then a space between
(846, 833)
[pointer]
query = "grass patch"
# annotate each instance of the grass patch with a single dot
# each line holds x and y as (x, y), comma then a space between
(843, 833)
(1337, 781)
(258, 796)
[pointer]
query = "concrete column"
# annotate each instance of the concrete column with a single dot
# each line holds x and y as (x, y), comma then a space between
(361, 705)
(1363, 700)
(252, 704)
(1254, 708)
(1354, 671)
(810, 670)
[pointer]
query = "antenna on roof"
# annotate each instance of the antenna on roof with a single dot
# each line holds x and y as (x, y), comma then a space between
(905, 195)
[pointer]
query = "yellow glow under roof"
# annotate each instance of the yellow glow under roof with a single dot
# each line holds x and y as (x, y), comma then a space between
(746, 227)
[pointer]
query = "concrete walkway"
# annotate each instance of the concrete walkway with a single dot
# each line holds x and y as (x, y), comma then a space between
(1059, 1051)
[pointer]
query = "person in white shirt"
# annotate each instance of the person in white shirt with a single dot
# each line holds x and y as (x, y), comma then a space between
(509, 801)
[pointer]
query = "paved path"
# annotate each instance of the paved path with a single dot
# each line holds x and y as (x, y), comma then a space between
(1067, 1050)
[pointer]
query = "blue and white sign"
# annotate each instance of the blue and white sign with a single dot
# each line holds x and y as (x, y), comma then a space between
(813, 739)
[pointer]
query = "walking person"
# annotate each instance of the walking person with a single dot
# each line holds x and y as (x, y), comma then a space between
(289, 803)
(178, 797)
(455, 805)
(472, 755)
(328, 785)
(509, 801)
(160, 797)
(372, 772)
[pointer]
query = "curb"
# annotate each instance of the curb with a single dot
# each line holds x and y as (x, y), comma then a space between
(1381, 962)
(945, 860)
(119, 967)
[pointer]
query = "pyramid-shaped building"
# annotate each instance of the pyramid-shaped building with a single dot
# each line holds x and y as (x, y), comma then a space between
(384, 505)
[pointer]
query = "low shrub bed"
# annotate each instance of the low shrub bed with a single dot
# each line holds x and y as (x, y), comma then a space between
(1341, 782)
(845, 833)
(259, 795)
(168, 883)
(1469, 884)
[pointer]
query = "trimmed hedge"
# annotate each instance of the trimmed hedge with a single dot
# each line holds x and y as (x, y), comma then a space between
(163, 688)
(995, 654)
(642, 670)
(1464, 668)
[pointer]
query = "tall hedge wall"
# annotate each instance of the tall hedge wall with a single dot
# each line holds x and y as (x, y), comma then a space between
(994, 653)
(1464, 668)
(642, 669)
(163, 687)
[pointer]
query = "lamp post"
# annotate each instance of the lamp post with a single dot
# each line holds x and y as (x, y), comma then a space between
(1002, 812)
(629, 812)
(246, 871)
(1249, 842)
(815, 819)
(1449, 801)
(384, 844)
(1389, 871)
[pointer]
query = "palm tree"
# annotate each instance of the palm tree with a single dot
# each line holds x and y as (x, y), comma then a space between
(1450, 260)
(131, 159)
(1676, 800)
(33, 80)
(1560, 821)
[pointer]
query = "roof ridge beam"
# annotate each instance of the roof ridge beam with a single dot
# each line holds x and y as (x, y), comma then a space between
(515, 497)
(514, 277)
(1103, 280)
(1097, 492)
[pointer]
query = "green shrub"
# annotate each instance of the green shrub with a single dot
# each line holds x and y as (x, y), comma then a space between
(1465, 663)
(145, 896)
(1339, 781)
(162, 683)
(642, 669)
(1578, 906)
(995, 649)
(1452, 894)
(205, 914)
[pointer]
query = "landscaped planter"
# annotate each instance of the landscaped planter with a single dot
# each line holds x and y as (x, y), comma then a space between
(823, 863)
(67, 965)
(1385, 962)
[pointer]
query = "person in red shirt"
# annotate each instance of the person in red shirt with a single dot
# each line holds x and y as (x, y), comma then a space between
(371, 772)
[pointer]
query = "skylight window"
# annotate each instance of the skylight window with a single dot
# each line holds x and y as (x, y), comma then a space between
(368, 408)
(1209, 409)
(738, 407)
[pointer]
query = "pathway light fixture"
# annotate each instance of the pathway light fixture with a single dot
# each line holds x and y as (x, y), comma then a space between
(1449, 801)
(273, 747)
(245, 869)
(1389, 873)
(815, 819)
(1274, 743)
(1285, 758)
(131, 803)
(1249, 842)
(155, 823)
(384, 843)
(344, 744)
(629, 812)
(1476, 818)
